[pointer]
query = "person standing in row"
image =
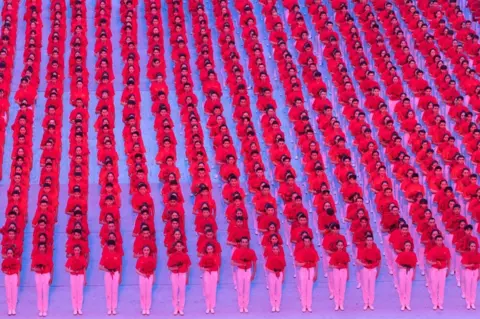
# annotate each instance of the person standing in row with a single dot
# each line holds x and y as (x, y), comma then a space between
(406, 262)
(339, 260)
(369, 257)
(76, 266)
(329, 244)
(179, 264)
(275, 267)
(245, 259)
(210, 264)
(471, 262)
(439, 258)
(111, 264)
(307, 259)
(42, 265)
(11, 270)
(146, 265)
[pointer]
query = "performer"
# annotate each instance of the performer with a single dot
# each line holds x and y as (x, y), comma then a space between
(307, 259)
(339, 260)
(369, 257)
(146, 265)
(275, 266)
(439, 258)
(471, 262)
(406, 262)
(76, 266)
(42, 265)
(210, 264)
(179, 264)
(11, 269)
(245, 260)
(329, 244)
(111, 264)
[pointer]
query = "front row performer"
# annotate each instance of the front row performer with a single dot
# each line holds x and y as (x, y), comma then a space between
(11, 270)
(245, 259)
(111, 264)
(307, 259)
(471, 263)
(339, 261)
(275, 268)
(439, 259)
(43, 267)
(179, 264)
(146, 265)
(210, 264)
(76, 266)
(406, 261)
(369, 257)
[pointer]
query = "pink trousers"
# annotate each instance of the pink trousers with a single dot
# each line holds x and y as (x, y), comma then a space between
(471, 279)
(395, 268)
(328, 272)
(405, 279)
(388, 252)
(275, 288)
(76, 286)
(325, 262)
(391, 105)
(244, 279)
(339, 285)
(234, 270)
(437, 280)
(456, 260)
(369, 277)
(145, 284)
(41, 282)
(428, 280)
(358, 267)
(421, 256)
(11, 291)
(306, 286)
(210, 279)
(415, 101)
(451, 247)
(111, 289)
(179, 283)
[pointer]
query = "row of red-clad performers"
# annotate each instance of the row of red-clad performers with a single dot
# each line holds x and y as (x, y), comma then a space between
(411, 186)
(209, 85)
(454, 223)
(22, 152)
